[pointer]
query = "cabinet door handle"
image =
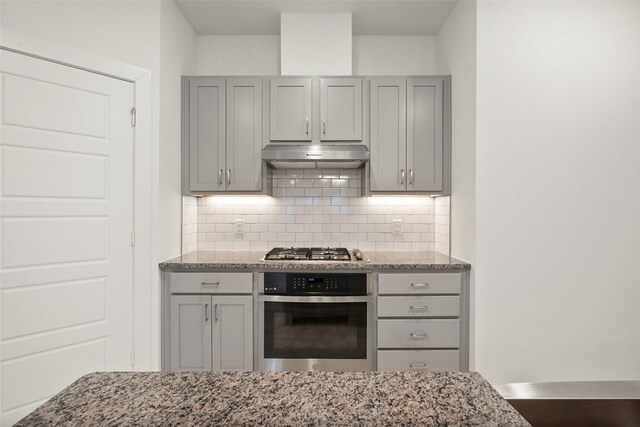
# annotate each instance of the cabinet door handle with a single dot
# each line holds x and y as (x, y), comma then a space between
(324, 126)
(410, 176)
(419, 307)
(418, 334)
(402, 176)
(220, 177)
(419, 285)
(418, 365)
(307, 126)
(215, 312)
(206, 312)
(210, 283)
(228, 176)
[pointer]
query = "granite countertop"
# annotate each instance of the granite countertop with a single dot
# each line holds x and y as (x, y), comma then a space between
(393, 260)
(277, 399)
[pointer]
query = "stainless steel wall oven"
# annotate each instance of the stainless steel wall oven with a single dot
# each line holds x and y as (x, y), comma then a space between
(315, 321)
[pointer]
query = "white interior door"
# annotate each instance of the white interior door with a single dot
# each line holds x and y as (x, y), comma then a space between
(66, 216)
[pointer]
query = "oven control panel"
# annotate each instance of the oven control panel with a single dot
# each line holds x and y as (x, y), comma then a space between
(315, 283)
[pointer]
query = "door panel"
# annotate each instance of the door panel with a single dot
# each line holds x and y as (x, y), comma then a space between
(206, 134)
(66, 206)
(424, 134)
(388, 168)
(233, 333)
(290, 110)
(341, 109)
(191, 333)
(244, 135)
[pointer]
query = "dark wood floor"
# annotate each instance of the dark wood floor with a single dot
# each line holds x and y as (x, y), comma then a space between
(579, 413)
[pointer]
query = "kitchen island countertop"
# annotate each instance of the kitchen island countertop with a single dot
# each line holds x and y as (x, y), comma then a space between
(240, 260)
(277, 399)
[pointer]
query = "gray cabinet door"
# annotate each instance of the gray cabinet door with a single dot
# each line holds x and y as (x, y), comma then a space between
(206, 134)
(232, 333)
(244, 135)
(388, 163)
(290, 109)
(341, 109)
(190, 333)
(424, 134)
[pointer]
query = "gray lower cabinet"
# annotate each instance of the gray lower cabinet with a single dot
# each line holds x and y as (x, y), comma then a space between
(190, 332)
(211, 332)
(222, 136)
(341, 109)
(421, 322)
(410, 135)
(290, 109)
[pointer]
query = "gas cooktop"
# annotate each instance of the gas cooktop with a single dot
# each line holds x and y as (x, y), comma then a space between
(308, 254)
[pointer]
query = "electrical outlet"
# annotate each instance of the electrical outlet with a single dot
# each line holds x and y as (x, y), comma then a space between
(397, 227)
(238, 226)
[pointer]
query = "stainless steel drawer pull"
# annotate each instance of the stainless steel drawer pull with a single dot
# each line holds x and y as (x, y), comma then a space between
(418, 365)
(418, 307)
(402, 176)
(410, 176)
(215, 312)
(228, 176)
(307, 126)
(220, 177)
(419, 285)
(418, 335)
(206, 312)
(210, 283)
(324, 126)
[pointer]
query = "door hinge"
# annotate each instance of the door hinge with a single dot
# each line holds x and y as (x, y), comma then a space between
(133, 357)
(133, 237)
(133, 117)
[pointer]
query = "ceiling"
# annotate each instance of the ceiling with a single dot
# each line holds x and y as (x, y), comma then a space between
(262, 17)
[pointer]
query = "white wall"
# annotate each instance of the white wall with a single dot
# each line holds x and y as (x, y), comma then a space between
(558, 178)
(394, 55)
(238, 55)
(177, 58)
(456, 56)
(260, 55)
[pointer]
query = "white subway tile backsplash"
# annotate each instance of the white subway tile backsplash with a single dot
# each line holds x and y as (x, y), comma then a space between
(316, 207)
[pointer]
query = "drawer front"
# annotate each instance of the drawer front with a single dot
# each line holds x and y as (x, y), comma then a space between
(419, 360)
(422, 333)
(419, 306)
(211, 283)
(422, 283)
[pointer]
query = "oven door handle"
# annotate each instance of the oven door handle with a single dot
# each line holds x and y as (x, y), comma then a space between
(315, 299)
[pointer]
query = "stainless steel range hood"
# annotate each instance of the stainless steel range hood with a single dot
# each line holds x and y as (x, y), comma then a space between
(281, 156)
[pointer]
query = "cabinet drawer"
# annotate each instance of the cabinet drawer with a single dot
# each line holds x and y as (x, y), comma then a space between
(419, 306)
(423, 333)
(419, 360)
(422, 283)
(211, 283)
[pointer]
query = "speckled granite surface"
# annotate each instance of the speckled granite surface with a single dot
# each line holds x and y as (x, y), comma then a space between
(238, 260)
(277, 399)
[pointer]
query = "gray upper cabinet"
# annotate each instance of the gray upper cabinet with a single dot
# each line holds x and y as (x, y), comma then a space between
(290, 109)
(341, 109)
(388, 135)
(232, 333)
(410, 135)
(191, 327)
(425, 134)
(206, 148)
(222, 135)
(244, 135)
